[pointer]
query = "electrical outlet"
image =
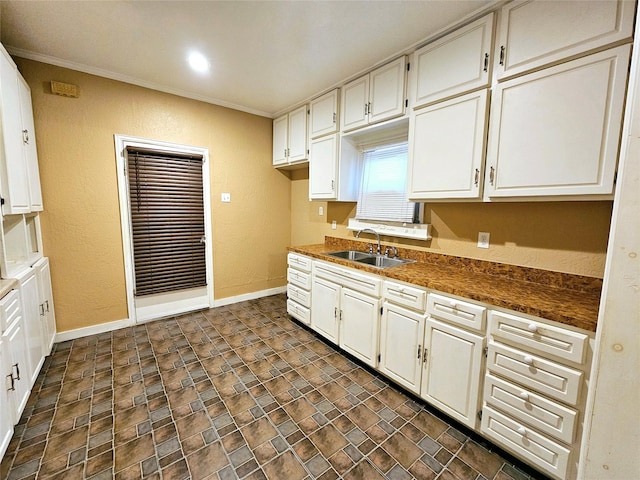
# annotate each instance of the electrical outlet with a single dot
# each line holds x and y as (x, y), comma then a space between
(320, 211)
(483, 239)
(225, 197)
(334, 225)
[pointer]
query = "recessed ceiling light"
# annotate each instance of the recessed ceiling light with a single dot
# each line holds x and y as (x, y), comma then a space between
(198, 62)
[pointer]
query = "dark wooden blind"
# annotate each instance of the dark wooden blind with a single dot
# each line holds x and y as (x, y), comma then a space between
(167, 220)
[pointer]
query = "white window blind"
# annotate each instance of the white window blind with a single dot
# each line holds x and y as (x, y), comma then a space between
(384, 181)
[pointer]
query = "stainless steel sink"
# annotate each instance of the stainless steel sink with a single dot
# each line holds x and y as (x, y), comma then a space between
(378, 261)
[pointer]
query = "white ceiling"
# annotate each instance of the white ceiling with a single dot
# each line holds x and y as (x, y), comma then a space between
(266, 56)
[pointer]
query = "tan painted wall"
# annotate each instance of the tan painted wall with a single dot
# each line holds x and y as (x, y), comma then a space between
(567, 237)
(81, 223)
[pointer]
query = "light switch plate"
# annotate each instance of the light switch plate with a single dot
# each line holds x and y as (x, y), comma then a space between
(225, 197)
(483, 239)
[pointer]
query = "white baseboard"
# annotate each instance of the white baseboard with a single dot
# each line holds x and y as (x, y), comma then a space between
(92, 330)
(118, 324)
(249, 296)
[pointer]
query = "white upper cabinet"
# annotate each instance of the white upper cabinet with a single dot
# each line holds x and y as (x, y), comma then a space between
(556, 132)
(447, 147)
(457, 63)
(334, 169)
(537, 33)
(20, 185)
(378, 96)
(324, 114)
(290, 138)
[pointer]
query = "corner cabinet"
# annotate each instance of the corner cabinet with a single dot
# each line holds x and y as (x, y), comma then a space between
(20, 185)
(377, 96)
(447, 148)
(290, 138)
(457, 63)
(560, 29)
(557, 131)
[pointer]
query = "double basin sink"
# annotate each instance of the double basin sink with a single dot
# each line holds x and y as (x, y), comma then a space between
(371, 259)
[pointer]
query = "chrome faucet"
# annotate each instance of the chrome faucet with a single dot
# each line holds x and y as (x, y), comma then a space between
(370, 230)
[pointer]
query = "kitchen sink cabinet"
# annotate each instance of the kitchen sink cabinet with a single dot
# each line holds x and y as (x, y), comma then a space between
(377, 96)
(454, 64)
(359, 325)
(533, 34)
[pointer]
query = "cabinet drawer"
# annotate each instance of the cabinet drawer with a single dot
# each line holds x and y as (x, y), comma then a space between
(538, 449)
(298, 311)
(546, 416)
(544, 376)
(299, 261)
(9, 309)
(303, 297)
(538, 336)
(404, 295)
(351, 278)
(455, 311)
(299, 279)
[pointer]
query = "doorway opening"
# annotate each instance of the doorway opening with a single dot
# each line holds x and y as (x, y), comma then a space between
(165, 213)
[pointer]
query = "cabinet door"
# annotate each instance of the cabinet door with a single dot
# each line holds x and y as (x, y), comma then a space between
(324, 114)
(6, 424)
(29, 146)
(32, 324)
(15, 183)
(46, 311)
(325, 307)
(359, 325)
(556, 132)
(298, 135)
(387, 91)
(15, 340)
(457, 63)
(355, 104)
(401, 336)
(280, 126)
(323, 160)
(447, 147)
(454, 363)
(560, 30)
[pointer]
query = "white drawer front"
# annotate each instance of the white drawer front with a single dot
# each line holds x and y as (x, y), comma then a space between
(360, 282)
(298, 278)
(298, 311)
(456, 311)
(404, 295)
(9, 309)
(298, 295)
(541, 451)
(544, 376)
(523, 405)
(299, 261)
(539, 336)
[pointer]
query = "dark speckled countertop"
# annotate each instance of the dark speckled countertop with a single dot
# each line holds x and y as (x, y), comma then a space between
(569, 299)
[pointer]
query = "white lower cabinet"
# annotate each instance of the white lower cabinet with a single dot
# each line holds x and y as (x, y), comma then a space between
(453, 366)
(6, 425)
(401, 343)
(45, 304)
(15, 367)
(299, 287)
(359, 325)
(33, 322)
(324, 308)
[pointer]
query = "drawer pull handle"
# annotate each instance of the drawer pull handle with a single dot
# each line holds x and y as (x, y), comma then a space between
(528, 360)
(524, 396)
(453, 304)
(533, 327)
(522, 431)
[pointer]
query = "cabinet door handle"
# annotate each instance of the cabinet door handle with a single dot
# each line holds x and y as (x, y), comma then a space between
(477, 177)
(13, 383)
(41, 309)
(369, 108)
(333, 185)
(492, 174)
(424, 355)
(366, 109)
(419, 351)
(335, 312)
(17, 367)
(502, 55)
(47, 301)
(486, 62)
(25, 136)
(334, 117)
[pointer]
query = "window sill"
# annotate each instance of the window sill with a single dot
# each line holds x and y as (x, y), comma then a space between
(417, 231)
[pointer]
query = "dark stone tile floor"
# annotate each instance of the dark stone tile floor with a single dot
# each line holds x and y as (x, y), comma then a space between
(240, 391)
